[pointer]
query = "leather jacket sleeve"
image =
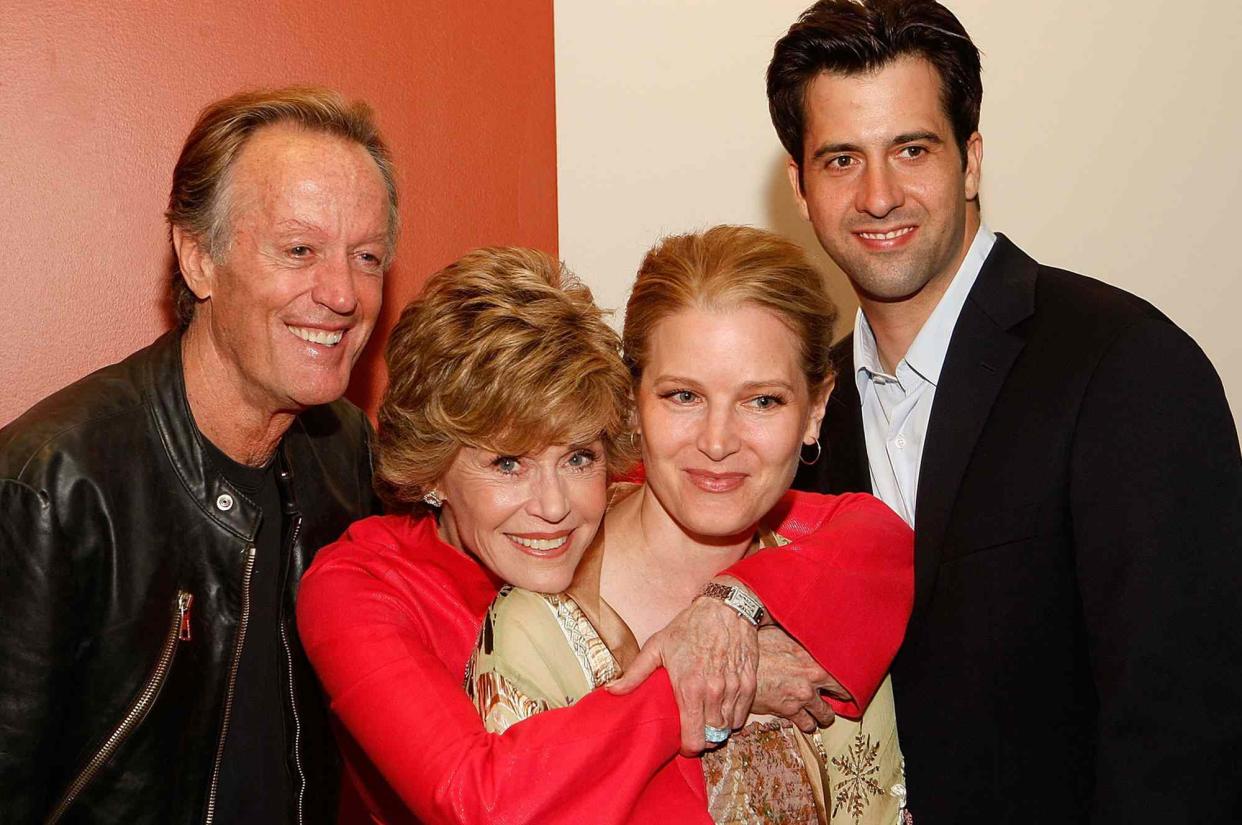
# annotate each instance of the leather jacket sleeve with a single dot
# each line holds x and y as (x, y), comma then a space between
(844, 588)
(36, 626)
(109, 515)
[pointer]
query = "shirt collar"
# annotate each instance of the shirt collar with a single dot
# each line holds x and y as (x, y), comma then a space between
(926, 354)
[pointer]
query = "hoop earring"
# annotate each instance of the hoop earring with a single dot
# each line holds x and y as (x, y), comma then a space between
(818, 452)
(432, 499)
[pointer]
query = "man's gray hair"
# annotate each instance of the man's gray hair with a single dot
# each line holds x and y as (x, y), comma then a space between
(198, 202)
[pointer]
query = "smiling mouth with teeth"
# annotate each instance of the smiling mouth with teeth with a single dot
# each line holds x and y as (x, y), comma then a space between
(327, 338)
(539, 545)
(886, 236)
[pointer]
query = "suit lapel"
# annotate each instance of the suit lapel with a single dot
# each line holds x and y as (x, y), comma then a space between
(981, 352)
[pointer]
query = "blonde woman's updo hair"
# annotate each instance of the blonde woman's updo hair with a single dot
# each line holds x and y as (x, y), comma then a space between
(723, 268)
(505, 350)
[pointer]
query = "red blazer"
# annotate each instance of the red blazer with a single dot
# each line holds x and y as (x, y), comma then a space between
(389, 615)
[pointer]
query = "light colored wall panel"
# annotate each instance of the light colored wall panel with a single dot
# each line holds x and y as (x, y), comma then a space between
(1110, 141)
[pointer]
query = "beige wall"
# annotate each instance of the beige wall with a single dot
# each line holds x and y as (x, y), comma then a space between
(1111, 141)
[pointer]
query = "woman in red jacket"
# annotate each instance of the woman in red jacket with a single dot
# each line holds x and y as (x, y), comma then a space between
(506, 405)
(726, 341)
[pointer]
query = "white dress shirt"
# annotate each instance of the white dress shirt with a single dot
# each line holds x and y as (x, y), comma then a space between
(897, 407)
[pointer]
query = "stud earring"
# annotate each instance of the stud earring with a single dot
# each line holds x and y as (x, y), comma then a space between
(432, 499)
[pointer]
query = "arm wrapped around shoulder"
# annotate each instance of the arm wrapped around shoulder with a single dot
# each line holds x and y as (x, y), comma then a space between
(401, 703)
(843, 587)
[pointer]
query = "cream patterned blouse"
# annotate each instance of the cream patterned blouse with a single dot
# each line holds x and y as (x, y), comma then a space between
(539, 651)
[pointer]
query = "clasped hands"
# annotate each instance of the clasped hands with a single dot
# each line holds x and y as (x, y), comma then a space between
(723, 669)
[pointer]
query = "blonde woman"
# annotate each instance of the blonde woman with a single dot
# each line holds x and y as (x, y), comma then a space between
(727, 340)
(507, 408)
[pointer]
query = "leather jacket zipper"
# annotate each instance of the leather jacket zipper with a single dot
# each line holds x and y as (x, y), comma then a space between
(178, 631)
(242, 623)
(293, 701)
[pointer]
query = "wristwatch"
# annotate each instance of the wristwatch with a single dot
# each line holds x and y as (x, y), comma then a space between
(746, 605)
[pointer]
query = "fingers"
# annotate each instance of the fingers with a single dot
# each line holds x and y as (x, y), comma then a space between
(804, 721)
(820, 711)
(727, 698)
(644, 664)
(711, 658)
(716, 720)
(718, 696)
(833, 688)
(732, 701)
(740, 674)
(748, 683)
(692, 722)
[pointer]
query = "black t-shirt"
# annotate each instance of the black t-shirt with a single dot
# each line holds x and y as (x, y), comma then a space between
(255, 784)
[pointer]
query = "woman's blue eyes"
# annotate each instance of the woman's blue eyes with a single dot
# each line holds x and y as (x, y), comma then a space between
(762, 402)
(767, 402)
(582, 458)
(512, 464)
(507, 464)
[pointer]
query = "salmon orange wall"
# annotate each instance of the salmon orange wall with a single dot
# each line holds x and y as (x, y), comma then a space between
(96, 98)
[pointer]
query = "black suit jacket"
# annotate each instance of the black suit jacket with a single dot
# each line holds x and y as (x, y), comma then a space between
(1074, 653)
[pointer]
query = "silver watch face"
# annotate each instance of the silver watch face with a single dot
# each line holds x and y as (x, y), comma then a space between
(746, 604)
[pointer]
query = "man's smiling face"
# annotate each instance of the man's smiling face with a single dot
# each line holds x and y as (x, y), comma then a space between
(882, 180)
(292, 297)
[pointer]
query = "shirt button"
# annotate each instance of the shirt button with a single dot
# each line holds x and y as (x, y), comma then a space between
(900, 441)
(224, 502)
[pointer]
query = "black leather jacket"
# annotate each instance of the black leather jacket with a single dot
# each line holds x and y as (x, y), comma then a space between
(124, 568)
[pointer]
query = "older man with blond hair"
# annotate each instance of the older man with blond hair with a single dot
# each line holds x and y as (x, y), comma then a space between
(156, 516)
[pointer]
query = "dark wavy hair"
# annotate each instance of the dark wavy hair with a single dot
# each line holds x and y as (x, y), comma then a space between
(856, 36)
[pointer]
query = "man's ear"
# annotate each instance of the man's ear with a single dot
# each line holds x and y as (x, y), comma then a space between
(195, 264)
(795, 183)
(819, 401)
(974, 165)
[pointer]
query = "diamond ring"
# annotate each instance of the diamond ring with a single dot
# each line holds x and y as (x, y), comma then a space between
(715, 735)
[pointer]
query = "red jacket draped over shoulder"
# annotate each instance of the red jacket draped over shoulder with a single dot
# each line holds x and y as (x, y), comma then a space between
(389, 614)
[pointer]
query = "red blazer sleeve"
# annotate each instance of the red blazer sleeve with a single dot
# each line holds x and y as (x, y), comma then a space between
(843, 588)
(409, 713)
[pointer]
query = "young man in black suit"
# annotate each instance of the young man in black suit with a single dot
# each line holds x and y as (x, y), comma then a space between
(1065, 453)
